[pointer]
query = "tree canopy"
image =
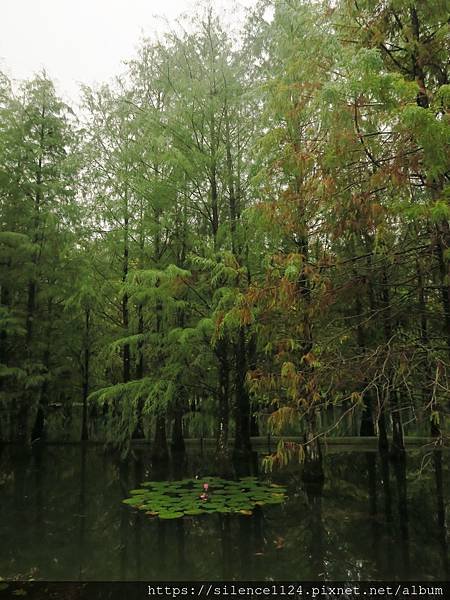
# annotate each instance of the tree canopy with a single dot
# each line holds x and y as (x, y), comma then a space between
(241, 234)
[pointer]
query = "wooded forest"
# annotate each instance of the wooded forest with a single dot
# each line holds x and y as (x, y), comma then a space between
(245, 232)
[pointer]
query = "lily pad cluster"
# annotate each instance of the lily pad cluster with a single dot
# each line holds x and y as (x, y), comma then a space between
(192, 497)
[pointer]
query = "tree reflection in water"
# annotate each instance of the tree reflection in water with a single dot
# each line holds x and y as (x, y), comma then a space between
(370, 516)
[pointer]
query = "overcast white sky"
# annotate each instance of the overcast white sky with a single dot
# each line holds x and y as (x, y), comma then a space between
(81, 40)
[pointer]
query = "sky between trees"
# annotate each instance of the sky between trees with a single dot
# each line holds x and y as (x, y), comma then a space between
(87, 41)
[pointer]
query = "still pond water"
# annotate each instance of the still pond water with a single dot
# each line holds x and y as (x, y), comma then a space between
(61, 518)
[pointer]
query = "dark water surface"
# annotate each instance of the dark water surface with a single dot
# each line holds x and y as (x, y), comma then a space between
(61, 518)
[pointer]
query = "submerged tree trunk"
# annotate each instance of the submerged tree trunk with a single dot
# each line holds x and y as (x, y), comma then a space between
(314, 491)
(402, 503)
(226, 547)
(374, 521)
(441, 516)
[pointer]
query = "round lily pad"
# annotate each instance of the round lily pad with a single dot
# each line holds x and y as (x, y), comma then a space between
(134, 501)
(170, 515)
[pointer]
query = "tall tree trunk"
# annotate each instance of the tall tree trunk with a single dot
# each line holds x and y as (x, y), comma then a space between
(367, 426)
(177, 445)
(125, 308)
(252, 358)
(214, 194)
(27, 399)
(233, 199)
(313, 454)
(391, 395)
(242, 444)
(140, 353)
(442, 247)
(223, 398)
(441, 241)
(423, 320)
(86, 374)
(38, 430)
(380, 420)
(139, 429)
(159, 448)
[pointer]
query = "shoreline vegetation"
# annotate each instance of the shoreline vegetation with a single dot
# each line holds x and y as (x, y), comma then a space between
(237, 229)
(261, 443)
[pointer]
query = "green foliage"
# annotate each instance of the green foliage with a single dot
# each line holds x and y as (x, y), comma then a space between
(176, 499)
(255, 225)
